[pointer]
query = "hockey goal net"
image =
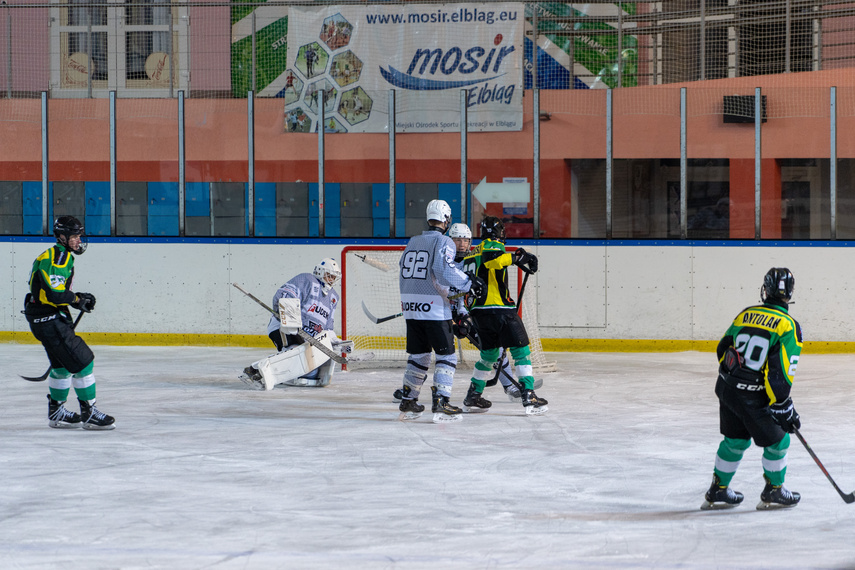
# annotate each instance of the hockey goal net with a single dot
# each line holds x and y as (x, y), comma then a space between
(370, 285)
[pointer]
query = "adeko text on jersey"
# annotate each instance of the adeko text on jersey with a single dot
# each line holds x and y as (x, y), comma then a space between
(416, 307)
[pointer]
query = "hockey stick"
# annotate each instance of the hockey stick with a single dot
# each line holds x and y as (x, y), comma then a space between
(376, 320)
(44, 376)
(374, 263)
(850, 498)
(515, 382)
(303, 334)
(522, 290)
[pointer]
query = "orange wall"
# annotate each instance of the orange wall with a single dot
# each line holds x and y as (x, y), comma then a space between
(646, 125)
(742, 199)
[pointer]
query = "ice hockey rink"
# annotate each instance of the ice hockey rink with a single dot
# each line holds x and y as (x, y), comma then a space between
(203, 472)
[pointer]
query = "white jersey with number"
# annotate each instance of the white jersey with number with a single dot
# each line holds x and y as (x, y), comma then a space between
(316, 309)
(427, 269)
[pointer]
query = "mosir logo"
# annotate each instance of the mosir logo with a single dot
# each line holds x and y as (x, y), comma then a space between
(438, 64)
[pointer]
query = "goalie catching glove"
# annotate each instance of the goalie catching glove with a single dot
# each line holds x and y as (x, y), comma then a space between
(786, 415)
(525, 260)
(84, 302)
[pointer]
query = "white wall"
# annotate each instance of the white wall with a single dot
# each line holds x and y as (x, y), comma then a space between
(582, 291)
(686, 292)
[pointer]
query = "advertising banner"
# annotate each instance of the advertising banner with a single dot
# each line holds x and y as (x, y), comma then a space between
(348, 57)
(265, 28)
(589, 57)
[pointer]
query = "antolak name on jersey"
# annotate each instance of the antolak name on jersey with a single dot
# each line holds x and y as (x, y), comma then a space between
(761, 320)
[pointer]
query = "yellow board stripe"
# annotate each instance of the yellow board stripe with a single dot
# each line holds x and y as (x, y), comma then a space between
(549, 344)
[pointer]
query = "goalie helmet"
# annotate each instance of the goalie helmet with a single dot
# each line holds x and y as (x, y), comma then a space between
(462, 236)
(328, 273)
(493, 228)
(438, 210)
(778, 285)
(66, 226)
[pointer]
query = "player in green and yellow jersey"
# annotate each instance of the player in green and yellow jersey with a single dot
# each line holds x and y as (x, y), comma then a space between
(758, 356)
(47, 310)
(496, 317)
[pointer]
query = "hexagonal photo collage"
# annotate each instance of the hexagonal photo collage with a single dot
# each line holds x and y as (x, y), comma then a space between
(326, 73)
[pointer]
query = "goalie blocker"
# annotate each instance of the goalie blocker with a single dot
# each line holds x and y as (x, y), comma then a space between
(305, 364)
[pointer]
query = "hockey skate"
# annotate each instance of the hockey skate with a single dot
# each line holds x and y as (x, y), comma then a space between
(93, 418)
(398, 395)
(252, 377)
(410, 407)
(442, 410)
(410, 410)
(474, 403)
(60, 417)
(534, 405)
(513, 393)
(720, 497)
(778, 497)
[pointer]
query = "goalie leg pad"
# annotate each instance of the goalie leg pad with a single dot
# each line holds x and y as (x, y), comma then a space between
(292, 365)
(325, 373)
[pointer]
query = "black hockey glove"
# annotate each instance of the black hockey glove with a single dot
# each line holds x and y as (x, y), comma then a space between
(786, 415)
(461, 327)
(478, 288)
(84, 302)
(525, 260)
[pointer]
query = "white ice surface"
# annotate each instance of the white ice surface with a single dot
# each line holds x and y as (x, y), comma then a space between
(203, 472)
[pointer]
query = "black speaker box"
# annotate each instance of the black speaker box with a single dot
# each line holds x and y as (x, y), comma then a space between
(740, 108)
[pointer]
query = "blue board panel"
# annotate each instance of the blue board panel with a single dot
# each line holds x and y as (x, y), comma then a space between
(32, 202)
(97, 221)
(163, 208)
(380, 209)
(197, 199)
(451, 194)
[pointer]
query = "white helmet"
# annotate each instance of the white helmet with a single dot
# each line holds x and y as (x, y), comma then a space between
(462, 236)
(439, 210)
(328, 272)
(459, 231)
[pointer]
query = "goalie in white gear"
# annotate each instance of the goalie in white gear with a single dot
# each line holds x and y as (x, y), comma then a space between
(307, 302)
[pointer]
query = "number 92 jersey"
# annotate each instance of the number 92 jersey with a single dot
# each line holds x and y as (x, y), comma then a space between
(770, 340)
(427, 267)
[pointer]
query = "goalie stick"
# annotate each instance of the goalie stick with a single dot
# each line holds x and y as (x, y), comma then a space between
(44, 376)
(850, 498)
(376, 320)
(303, 334)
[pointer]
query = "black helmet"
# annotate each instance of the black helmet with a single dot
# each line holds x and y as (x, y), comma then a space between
(493, 228)
(778, 285)
(66, 226)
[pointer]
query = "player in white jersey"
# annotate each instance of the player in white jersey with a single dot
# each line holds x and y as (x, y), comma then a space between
(427, 267)
(312, 296)
(464, 327)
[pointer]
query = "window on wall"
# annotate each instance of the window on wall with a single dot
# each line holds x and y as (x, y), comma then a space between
(138, 49)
